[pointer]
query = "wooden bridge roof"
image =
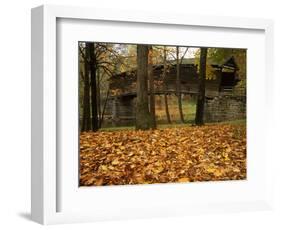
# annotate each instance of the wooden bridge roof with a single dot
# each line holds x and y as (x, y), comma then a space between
(125, 83)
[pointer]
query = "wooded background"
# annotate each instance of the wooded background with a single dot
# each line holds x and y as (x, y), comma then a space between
(101, 64)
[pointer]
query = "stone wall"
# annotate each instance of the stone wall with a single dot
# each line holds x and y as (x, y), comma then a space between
(119, 112)
(225, 108)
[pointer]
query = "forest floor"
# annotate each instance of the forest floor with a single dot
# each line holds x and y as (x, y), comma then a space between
(212, 152)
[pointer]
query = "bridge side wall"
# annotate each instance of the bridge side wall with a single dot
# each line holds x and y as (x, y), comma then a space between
(121, 111)
(225, 108)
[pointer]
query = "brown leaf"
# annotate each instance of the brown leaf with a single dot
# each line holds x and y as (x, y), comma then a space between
(184, 179)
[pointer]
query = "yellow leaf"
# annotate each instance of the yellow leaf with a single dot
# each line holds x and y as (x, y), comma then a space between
(218, 172)
(184, 179)
(237, 170)
(115, 162)
(103, 168)
(211, 170)
(158, 170)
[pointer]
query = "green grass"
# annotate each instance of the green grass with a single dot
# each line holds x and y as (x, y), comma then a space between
(234, 122)
(174, 125)
(189, 110)
(111, 129)
(159, 126)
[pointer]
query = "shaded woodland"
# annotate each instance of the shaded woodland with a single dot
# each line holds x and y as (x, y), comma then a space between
(144, 73)
(157, 114)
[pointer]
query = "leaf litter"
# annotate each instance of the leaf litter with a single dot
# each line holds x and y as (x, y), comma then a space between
(185, 154)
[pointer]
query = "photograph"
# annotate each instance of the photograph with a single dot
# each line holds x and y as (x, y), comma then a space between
(152, 113)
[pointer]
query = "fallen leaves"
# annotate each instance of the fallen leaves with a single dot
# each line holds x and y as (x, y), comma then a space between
(184, 179)
(187, 154)
(115, 162)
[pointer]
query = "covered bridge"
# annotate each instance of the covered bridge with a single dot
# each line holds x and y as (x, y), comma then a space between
(121, 104)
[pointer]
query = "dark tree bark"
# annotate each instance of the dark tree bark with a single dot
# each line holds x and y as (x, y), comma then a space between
(151, 88)
(98, 98)
(104, 107)
(165, 87)
(199, 118)
(94, 103)
(86, 119)
(143, 116)
(178, 89)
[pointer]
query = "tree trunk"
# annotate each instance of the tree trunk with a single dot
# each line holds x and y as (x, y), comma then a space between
(178, 85)
(143, 117)
(199, 118)
(165, 87)
(86, 119)
(104, 107)
(98, 97)
(151, 88)
(93, 66)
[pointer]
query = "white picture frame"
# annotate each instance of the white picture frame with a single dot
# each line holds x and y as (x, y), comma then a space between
(55, 201)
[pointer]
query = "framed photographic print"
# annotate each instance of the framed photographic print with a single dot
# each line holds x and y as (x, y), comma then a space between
(141, 114)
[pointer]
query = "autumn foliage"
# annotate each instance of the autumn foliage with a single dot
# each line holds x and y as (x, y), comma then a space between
(185, 154)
